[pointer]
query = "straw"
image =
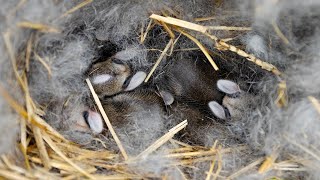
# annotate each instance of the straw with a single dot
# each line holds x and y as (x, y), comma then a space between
(58, 151)
(163, 139)
(38, 26)
(315, 103)
(159, 60)
(77, 7)
(107, 121)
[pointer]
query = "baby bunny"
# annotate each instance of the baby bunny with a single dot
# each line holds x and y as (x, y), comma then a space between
(74, 118)
(191, 81)
(113, 76)
(202, 128)
(230, 101)
(138, 117)
(109, 78)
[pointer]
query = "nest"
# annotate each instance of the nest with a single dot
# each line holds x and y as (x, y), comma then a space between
(48, 155)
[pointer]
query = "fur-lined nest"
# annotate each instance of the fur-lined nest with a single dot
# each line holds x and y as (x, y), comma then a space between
(273, 148)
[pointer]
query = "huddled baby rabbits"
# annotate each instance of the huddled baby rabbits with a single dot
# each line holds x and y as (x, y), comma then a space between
(187, 90)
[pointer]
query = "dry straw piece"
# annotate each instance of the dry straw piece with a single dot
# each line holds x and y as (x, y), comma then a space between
(315, 103)
(77, 7)
(38, 26)
(106, 119)
(170, 43)
(163, 139)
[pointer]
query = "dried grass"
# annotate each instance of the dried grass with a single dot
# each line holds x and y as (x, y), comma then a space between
(38, 26)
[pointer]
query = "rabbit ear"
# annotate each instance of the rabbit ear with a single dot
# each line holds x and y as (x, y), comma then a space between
(95, 122)
(228, 87)
(167, 97)
(136, 80)
(217, 110)
(102, 78)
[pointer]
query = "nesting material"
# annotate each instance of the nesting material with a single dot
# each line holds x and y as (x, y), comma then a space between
(106, 119)
(47, 47)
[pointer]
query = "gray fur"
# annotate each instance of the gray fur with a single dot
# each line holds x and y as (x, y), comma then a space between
(261, 125)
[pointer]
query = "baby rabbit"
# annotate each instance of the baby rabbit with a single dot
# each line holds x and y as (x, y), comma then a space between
(235, 103)
(138, 117)
(190, 80)
(196, 83)
(109, 78)
(230, 101)
(74, 118)
(113, 76)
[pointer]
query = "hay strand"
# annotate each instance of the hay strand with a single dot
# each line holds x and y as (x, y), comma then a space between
(180, 23)
(163, 139)
(202, 48)
(38, 26)
(315, 103)
(163, 53)
(79, 6)
(41, 146)
(28, 51)
(44, 63)
(279, 33)
(34, 120)
(228, 28)
(264, 65)
(282, 99)
(59, 152)
(144, 34)
(246, 168)
(213, 162)
(107, 121)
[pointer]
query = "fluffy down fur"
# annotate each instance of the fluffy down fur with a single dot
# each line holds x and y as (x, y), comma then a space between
(284, 33)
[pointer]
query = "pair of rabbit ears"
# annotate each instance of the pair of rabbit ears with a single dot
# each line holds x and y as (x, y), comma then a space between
(135, 80)
(231, 89)
(94, 119)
